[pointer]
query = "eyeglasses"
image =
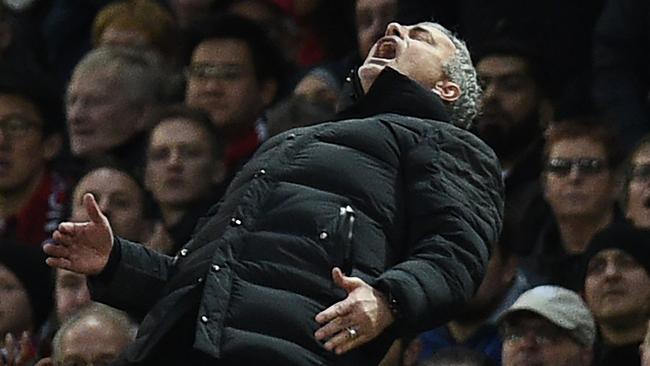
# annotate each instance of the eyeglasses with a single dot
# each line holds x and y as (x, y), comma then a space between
(587, 166)
(17, 126)
(221, 72)
(640, 172)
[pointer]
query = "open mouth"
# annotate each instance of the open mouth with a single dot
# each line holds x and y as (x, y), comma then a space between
(386, 49)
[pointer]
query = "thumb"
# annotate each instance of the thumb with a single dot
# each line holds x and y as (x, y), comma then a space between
(92, 209)
(343, 281)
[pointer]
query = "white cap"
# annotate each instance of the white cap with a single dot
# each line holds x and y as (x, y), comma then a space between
(561, 307)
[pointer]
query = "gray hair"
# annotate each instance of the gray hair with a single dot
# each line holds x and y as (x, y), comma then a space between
(461, 71)
(139, 74)
(94, 311)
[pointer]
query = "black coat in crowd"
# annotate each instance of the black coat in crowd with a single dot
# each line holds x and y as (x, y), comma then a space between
(404, 201)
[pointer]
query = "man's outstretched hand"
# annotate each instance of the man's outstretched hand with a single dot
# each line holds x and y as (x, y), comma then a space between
(82, 247)
(357, 319)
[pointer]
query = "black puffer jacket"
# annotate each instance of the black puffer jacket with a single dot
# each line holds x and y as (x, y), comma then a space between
(426, 199)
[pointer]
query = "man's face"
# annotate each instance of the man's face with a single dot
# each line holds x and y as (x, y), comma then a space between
(530, 340)
(638, 208)
(70, 293)
(222, 82)
(617, 288)
(511, 101)
(119, 197)
(22, 146)
(417, 51)
(99, 117)
(578, 191)
(15, 308)
(181, 166)
(107, 343)
(372, 18)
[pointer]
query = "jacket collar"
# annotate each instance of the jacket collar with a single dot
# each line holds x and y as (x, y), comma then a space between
(393, 92)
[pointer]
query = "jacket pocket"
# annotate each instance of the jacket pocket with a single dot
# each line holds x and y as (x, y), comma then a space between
(337, 237)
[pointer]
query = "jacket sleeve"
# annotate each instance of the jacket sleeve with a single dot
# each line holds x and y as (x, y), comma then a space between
(134, 280)
(454, 204)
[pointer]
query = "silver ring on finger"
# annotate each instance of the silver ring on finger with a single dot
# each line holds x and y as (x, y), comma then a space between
(352, 332)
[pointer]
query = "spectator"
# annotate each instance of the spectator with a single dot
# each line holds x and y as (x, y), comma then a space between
(184, 170)
(122, 198)
(25, 291)
(475, 326)
(580, 184)
(32, 192)
(637, 193)
(70, 294)
(312, 101)
(234, 75)
(617, 289)
(548, 326)
(139, 24)
(516, 108)
(103, 123)
(96, 335)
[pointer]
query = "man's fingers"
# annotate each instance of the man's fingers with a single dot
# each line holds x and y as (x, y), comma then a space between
(343, 341)
(92, 209)
(331, 328)
(58, 263)
(67, 229)
(345, 282)
(339, 309)
(55, 250)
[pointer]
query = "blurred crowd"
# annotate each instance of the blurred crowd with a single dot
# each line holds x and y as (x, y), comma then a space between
(153, 106)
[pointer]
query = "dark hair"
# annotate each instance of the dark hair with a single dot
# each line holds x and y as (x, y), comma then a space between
(198, 117)
(507, 46)
(267, 59)
(148, 203)
(585, 127)
(41, 94)
(27, 263)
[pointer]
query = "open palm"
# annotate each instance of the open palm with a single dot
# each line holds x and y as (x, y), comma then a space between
(82, 247)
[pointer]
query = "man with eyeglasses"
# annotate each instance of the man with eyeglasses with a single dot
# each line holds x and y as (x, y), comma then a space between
(548, 326)
(233, 74)
(616, 286)
(580, 183)
(32, 194)
(637, 193)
